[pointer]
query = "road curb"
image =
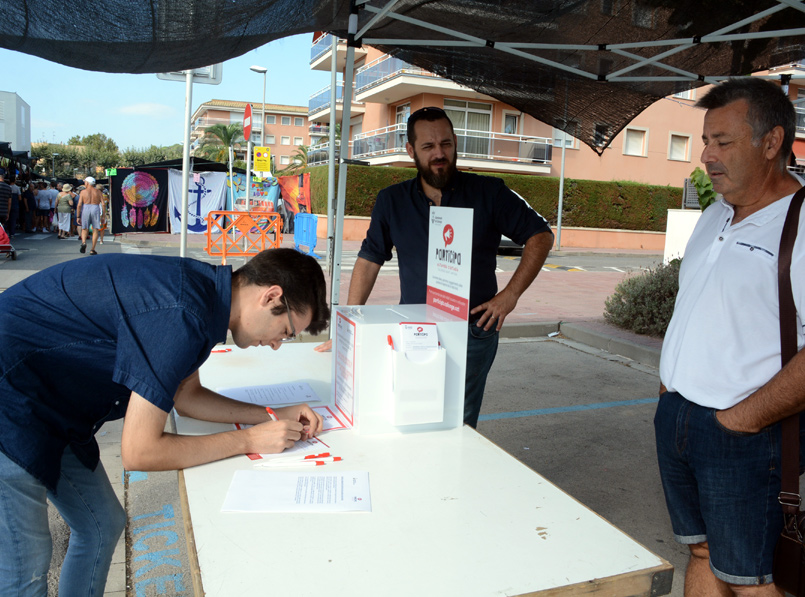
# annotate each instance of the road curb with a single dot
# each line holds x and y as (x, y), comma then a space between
(620, 346)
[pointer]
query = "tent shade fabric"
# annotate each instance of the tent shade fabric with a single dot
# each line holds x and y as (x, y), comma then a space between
(584, 66)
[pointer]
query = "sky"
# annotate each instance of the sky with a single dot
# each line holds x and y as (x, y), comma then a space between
(140, 110)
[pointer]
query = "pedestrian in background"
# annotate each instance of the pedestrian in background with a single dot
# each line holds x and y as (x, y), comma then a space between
(64, 205)
(5, 202)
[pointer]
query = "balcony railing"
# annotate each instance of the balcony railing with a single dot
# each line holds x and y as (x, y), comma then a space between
(321, 99)
(471, 144)
(322, 45)
(800, 119)
(384, 68)
(320, 154)
(319, 129)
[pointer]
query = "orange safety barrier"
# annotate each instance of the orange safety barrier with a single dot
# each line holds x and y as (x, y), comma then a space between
(241, 234)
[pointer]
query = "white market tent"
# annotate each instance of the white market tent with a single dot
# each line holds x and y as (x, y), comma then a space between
(587, 67)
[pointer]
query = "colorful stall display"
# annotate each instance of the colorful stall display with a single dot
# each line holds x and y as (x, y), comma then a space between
(206, 193)
(139, 200)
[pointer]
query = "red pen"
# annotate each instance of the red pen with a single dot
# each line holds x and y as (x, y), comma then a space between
(272, 414)
(223, 350)
(391, 342)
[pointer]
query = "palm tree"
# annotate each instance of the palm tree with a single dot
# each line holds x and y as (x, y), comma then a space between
(218, 139)
(298, 161)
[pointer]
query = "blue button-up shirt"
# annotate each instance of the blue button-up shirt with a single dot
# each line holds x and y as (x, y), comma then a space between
(77, 338)
(400, 219)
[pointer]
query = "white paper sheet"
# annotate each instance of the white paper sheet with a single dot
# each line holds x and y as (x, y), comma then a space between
(281, 393)
(281, 491)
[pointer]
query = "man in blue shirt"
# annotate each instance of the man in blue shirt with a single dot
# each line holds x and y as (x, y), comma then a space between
(400, 220)
(87, 342)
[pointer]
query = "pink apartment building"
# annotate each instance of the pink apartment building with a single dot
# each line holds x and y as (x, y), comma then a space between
(286, 127)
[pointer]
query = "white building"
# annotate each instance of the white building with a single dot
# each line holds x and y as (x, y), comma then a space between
(15, 121)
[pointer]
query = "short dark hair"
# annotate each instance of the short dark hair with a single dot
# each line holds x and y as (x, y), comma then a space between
(300, 277)
(769, 107)
(431, 114)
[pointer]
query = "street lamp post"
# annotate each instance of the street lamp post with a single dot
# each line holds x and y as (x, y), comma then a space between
(54, 156)
(263, 70)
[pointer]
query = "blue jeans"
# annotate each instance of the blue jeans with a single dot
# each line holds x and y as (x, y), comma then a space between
(88, 504)
(482, 347)
(721, 486)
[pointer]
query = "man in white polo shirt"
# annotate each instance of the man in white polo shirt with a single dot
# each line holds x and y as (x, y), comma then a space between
(723, 394)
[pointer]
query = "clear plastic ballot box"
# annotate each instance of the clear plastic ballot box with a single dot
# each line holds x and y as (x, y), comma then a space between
(378, 387)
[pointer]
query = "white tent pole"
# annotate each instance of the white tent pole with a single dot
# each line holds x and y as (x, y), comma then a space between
(561, 195)
(331, 151)
(188, 101)
(349, 70)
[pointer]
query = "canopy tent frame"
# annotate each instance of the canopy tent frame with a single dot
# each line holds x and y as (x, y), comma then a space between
(356, 38)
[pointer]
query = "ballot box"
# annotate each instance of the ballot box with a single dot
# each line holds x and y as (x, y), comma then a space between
(383, 381)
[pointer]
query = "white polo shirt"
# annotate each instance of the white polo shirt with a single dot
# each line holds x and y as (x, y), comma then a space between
(723, 342)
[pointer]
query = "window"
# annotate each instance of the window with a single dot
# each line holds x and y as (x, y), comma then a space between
(285, 160)
(403, 111)
(635, 142)
(286, 121)
(600, 135)
(271, 119)
(285, 140)
(297, 140)
(298, 121)
(511, 124)
(687, 94)
(570, 141)
(472, 122)
(643, 16)
(679, 147)
(270, 139)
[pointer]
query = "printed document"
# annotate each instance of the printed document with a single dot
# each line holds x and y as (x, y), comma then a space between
(280, 491)
(281, 393)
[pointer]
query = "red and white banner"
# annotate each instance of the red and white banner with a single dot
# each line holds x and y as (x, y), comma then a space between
(450, 260)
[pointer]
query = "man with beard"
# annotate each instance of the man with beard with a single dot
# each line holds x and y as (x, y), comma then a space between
(400, 220)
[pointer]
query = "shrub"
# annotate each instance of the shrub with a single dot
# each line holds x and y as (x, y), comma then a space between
(644, 303)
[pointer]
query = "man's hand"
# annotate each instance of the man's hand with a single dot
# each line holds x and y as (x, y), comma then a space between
(324, 346)
(310, 420)
(495, 309)
(273, 437)
(731, 420)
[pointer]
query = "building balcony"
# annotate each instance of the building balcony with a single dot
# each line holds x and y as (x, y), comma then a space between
(388, 80)
(318, 155)
(317, 129)
(319, 105)
(321, 53)
(479, 150)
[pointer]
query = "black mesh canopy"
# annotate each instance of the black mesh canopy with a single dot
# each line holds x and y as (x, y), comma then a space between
(584, 66)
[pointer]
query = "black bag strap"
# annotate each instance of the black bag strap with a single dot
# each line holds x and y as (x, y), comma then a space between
(789, 494)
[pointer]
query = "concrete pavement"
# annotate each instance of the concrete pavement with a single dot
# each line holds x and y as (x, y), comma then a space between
(563, 302)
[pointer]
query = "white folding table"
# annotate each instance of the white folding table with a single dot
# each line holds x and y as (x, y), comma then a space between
(452, 514)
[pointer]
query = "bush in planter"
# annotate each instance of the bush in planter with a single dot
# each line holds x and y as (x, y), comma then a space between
(644, 303)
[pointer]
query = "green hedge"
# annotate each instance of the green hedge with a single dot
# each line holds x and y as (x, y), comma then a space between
(587, 203)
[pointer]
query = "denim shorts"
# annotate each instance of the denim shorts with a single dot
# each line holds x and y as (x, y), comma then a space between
(721, 486)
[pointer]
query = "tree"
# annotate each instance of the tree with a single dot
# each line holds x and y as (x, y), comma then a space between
(98, 142)
(298, 161)
(218, 139)
(134, 157)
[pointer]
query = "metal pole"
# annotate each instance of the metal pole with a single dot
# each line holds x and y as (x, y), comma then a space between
(342, 167)
(561, 195)
(331, 150)
(188, 101)
(249, 175)
(263, 121)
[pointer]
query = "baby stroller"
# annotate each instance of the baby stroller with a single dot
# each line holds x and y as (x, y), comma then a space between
(6, 246)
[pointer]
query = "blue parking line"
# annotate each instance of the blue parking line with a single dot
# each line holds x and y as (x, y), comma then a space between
(565, 409)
